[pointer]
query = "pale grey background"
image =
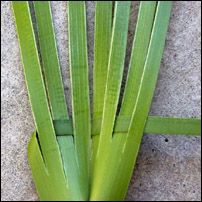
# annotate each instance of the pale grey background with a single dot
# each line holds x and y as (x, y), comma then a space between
(166, 170)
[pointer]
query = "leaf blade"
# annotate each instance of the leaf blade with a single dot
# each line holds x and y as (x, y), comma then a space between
(42, 117)
(34, 79)
(141, 108)
(114, 77)
(50, 61)
(80, 89)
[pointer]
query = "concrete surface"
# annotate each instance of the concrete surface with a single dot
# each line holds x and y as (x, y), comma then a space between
(168, 167)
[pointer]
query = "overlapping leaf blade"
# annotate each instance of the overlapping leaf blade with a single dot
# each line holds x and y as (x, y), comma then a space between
(114, 77)
(50, 61)
(59, 153)
(144, 96)
(55, 91)
(122, 160)
(43, 172)
(154, 125)
(103, 29)
(80, 89)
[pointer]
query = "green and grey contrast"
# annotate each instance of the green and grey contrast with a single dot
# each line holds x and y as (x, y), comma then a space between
(90, 156)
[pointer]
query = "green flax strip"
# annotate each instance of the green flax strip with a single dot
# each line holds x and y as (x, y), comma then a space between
(121, 153)
(114, 77)
(80, 88)
(50, 61)
(141, 41)
(47, 154)
(147, 85)
(103, 28)
(102, 39)
(154, 125)
(34, 79)
(115, 70)
(56, 94)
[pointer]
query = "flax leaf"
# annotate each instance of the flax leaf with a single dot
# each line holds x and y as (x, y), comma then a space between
(114, 77)
(50, 61)
(145, 94)
(46, 135)
(121, 151)
(80, 89)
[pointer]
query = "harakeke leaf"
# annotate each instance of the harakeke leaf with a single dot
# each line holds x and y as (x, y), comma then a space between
(114, 77)
(144, 97)
(121, 150)
(154, 125)
(60, 151)
(102, 38)
(56, 184)
(50, 61)
(80, 89)
(52, 74)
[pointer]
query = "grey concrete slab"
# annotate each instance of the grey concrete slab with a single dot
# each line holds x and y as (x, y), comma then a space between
(168, 167)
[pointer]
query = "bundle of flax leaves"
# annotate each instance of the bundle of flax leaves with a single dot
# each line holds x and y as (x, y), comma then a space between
(91, 156)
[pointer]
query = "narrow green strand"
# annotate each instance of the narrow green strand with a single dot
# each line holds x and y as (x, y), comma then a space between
(46, 158)
(50, 61)
(80, 89)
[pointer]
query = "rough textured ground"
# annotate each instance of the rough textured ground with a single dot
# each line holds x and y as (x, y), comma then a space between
(168, 167)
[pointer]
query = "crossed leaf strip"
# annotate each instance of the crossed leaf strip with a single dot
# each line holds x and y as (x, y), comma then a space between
(59, 154)
(155, 125)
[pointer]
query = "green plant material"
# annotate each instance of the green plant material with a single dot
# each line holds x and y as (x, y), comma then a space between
(138, 56)
(45, 159)
(120, 151)
(100, 56)
(146, 89)
(115, 70)
(114, 77)
(80, 89)
(34, 80)
(55, 91)
(63, 180)
(171, 125)
(102, 38)
(50, 62)
(154, 125)
(76, 174)
(65, 165)
(103, 28)
(63, 127)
